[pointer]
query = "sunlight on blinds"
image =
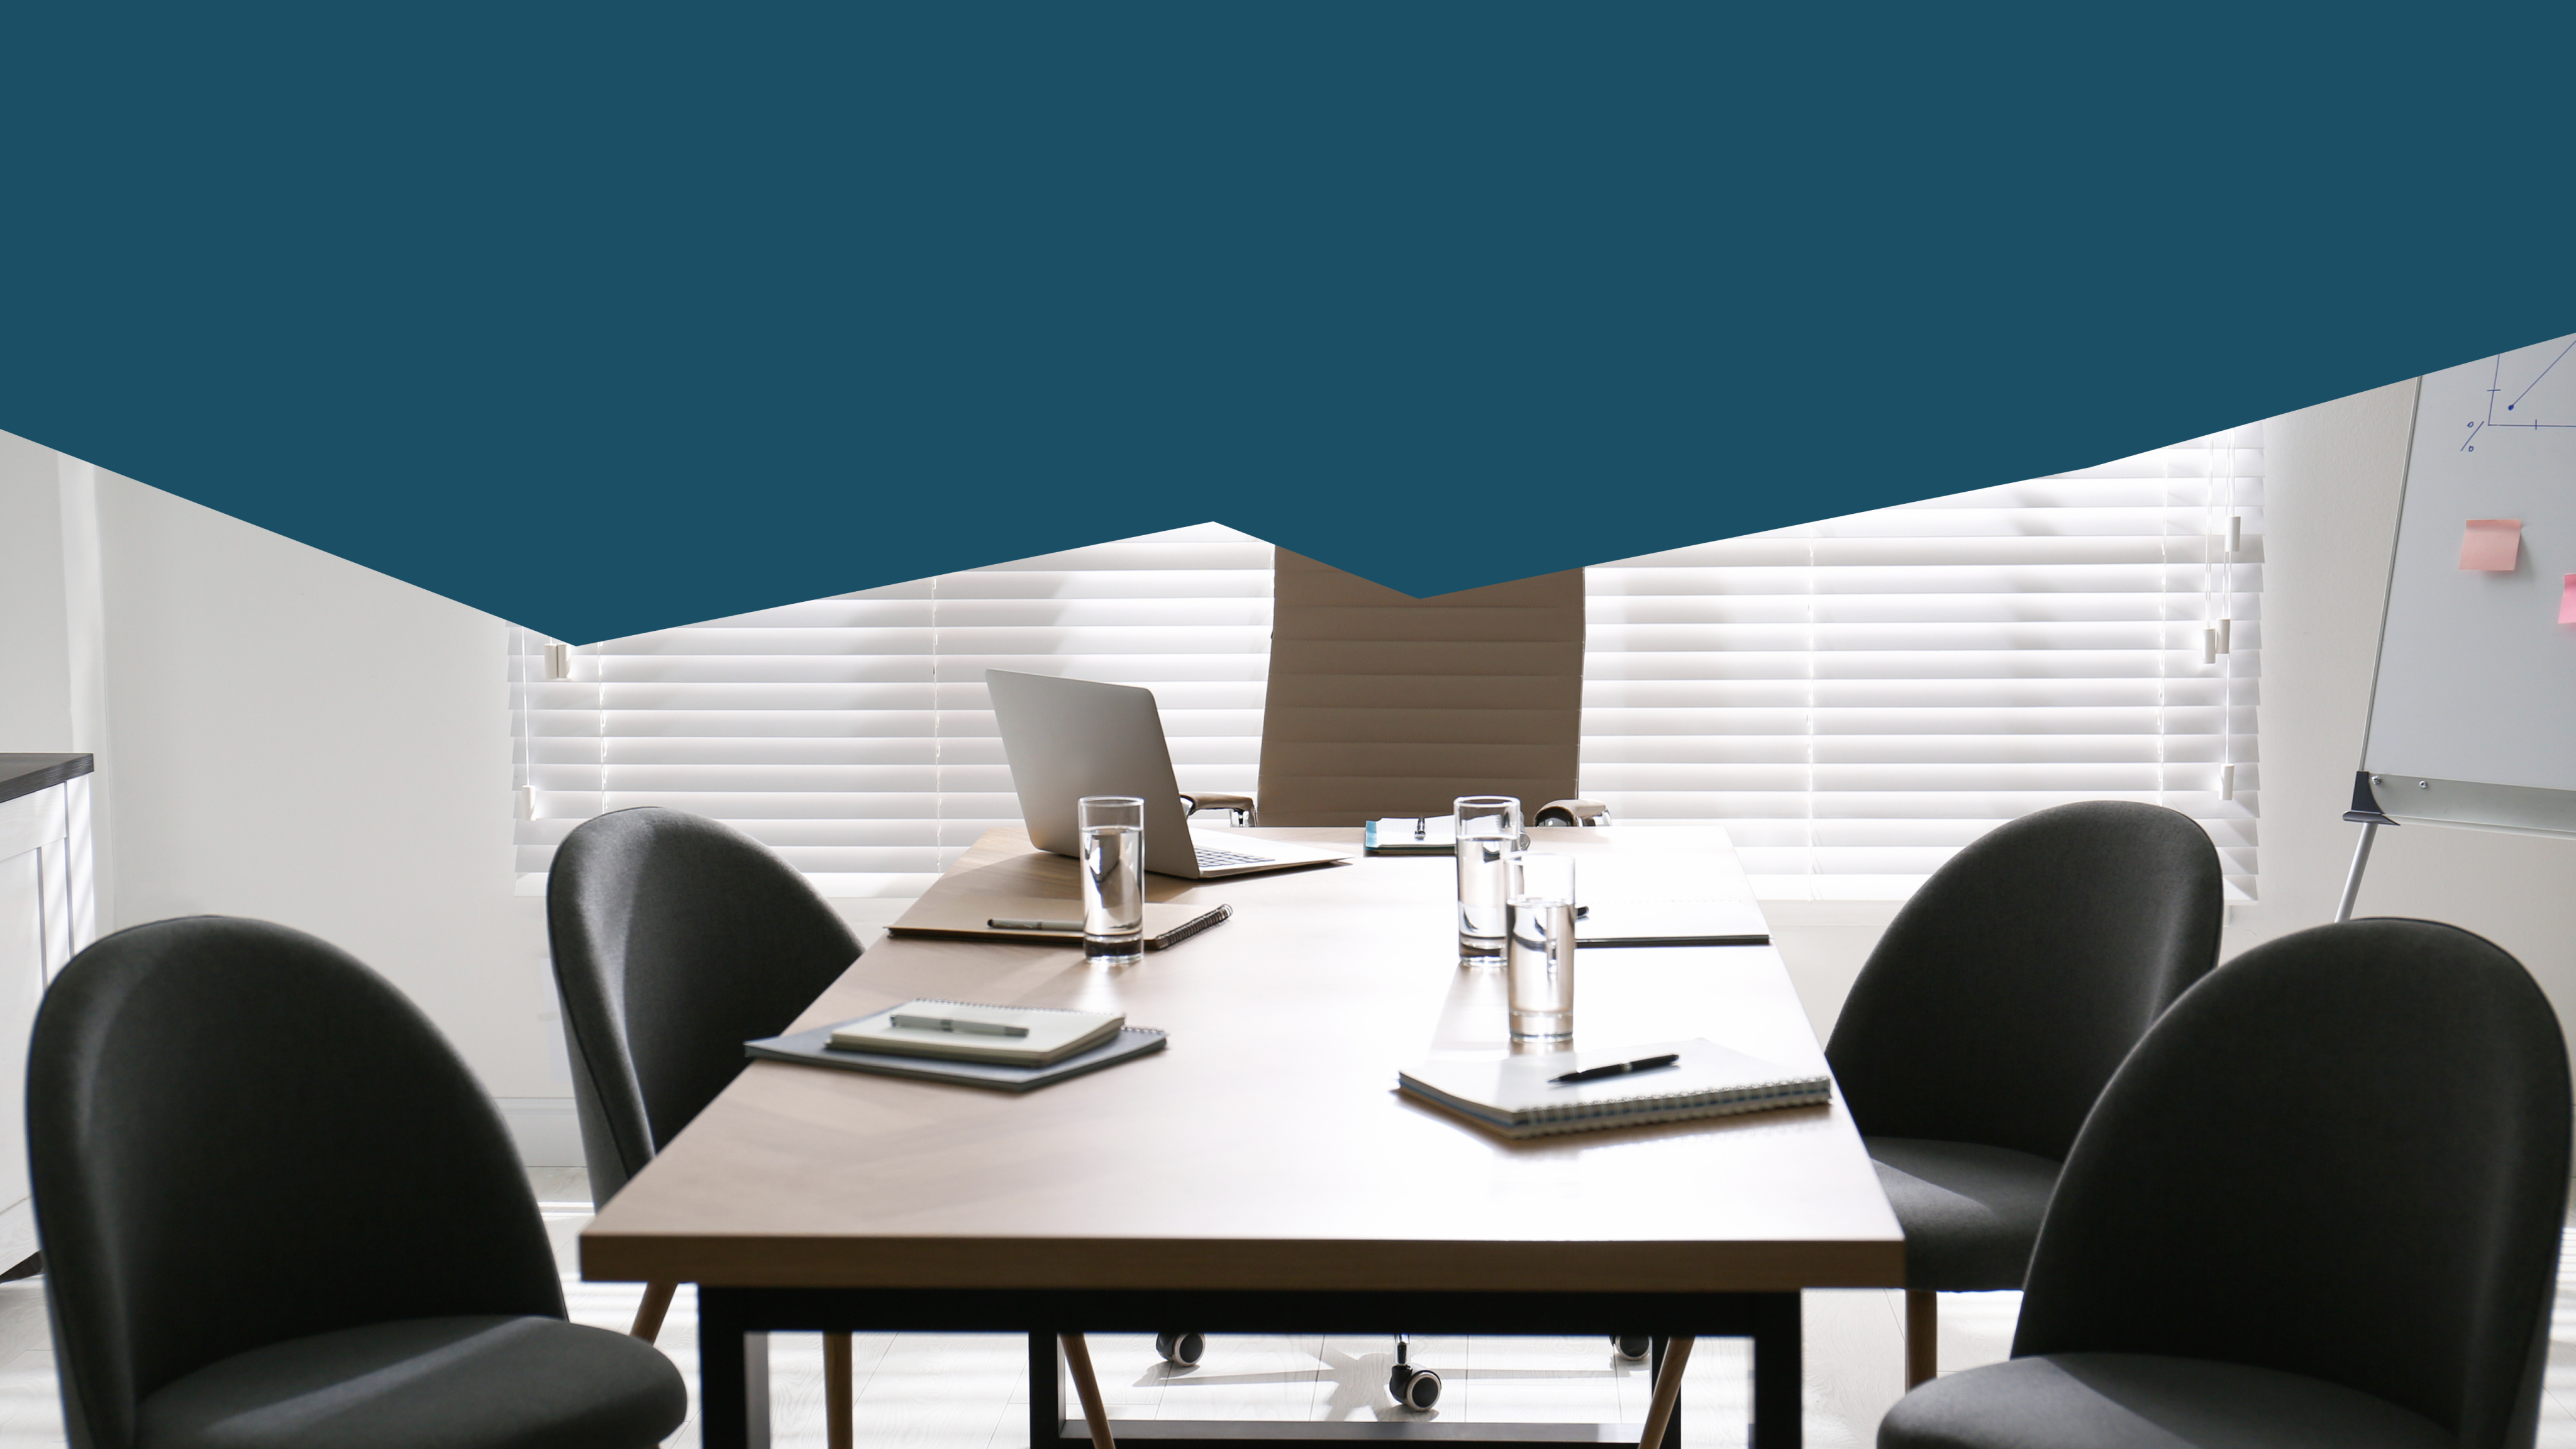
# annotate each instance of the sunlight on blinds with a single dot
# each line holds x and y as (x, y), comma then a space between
(853, 735)
(1853, 699)
(1857, 698)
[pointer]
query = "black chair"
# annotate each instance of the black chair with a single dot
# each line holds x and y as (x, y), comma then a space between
(278, 1211)
(676, 939)
(2319, 1205)
(2002, 997)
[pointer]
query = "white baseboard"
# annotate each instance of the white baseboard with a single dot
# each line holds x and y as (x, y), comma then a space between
(546, 1129)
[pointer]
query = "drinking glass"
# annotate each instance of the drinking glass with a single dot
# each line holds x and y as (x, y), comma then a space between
(1539, 918)
(1113, 879)
(1489, 828)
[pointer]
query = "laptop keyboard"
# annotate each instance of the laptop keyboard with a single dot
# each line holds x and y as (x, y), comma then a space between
(1218, 859)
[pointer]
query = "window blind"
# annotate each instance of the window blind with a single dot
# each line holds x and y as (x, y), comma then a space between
(1855, 699)
(853, 734)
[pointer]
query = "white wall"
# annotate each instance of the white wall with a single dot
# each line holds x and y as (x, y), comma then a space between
(300, 739)
(35, 668)
(283, 734)
(286, 735)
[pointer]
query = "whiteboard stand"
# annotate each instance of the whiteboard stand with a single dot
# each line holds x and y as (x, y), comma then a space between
(2365, 809)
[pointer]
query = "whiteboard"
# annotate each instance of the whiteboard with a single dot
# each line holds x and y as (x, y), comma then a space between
(2473, 711)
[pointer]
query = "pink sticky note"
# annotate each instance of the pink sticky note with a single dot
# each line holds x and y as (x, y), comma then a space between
(2567, 601)
(2492, 544)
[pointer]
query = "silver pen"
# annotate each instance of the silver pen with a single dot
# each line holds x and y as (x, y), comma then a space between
(948, 1023)
(1006, 923)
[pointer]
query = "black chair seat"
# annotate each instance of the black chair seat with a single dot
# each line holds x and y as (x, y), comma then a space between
(1970, 1212)
(480, 1382)
(2147, 1401)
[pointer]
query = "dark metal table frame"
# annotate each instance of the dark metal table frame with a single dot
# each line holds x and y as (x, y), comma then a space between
(734, 1325)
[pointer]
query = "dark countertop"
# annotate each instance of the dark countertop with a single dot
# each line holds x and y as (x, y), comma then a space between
(27, 774)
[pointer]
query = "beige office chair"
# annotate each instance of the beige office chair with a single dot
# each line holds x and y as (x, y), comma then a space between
(1382, 704)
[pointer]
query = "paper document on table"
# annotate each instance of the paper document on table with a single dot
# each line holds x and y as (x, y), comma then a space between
(1410, 835)
(2491, 544)
(1039, 921)
(1672, 923)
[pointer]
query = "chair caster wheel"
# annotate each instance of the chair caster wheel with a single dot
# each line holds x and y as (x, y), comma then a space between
(1180, 1348)
(1631, 1346)
(1414, 1388)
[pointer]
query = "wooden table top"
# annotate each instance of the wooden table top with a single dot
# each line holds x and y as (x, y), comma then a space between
(1266, 1147)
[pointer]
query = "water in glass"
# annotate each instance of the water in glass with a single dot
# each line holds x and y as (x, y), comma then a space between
(1489, 828)
(1542, 968)
(1484, 883)
(1113, 883)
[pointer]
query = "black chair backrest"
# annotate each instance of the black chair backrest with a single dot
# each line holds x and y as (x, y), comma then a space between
(2007, 990)
(2344, 1155)
(676, 939)
(240, 1135)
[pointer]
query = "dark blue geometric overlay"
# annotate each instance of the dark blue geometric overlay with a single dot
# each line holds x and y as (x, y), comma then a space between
(606, 317)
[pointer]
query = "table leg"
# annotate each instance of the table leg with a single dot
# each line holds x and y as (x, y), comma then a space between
(1779, 1372)
(1046, 1388)
(733, 1375)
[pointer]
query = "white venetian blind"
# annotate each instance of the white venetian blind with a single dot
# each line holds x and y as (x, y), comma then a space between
(1856, 699)
(853, 734)
(1853, 699)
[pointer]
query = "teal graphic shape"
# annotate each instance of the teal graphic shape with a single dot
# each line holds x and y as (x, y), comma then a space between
(605, 318)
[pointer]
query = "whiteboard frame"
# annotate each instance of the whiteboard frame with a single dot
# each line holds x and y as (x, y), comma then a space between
(2384, 793)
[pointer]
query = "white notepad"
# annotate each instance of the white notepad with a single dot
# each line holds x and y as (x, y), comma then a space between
(1514, 1096)
(1054, 1033)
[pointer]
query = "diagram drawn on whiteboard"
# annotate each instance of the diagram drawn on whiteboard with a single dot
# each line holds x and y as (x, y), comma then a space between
(2520, 402)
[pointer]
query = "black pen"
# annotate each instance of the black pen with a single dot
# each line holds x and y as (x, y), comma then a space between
(1642, 1064)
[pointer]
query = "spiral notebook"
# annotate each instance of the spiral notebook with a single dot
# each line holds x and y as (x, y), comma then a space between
(1515, 1097)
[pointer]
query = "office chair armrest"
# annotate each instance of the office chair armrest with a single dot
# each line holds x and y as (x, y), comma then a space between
(1245, 811)
(1572, 812)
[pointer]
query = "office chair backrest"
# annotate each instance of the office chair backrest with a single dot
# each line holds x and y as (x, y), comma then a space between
(2342, 1155)
(2007, 990)
(676, 939)
(240, 1135)
(1383, 704)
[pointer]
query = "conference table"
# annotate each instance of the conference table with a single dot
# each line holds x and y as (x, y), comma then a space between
(1261, 1174)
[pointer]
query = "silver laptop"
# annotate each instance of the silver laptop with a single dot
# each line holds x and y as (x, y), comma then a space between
(1067, 738)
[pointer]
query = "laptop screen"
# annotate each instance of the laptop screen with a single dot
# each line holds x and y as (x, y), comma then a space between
(1067, 738)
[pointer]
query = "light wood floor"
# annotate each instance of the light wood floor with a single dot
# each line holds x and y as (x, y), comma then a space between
(969, 1391)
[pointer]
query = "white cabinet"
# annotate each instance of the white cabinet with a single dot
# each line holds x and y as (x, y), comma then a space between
(47, 912)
